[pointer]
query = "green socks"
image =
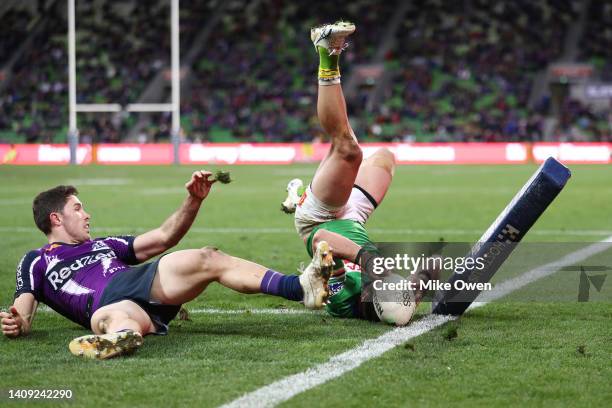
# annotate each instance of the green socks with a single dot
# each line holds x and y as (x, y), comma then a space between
(329, 70)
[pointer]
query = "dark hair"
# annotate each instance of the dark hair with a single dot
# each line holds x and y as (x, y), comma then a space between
(48, 202)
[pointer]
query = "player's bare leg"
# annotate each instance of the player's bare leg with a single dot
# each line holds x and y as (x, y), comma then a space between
(118, 329)
(336, 174)
(123, 315)
(334, 179)
(376, 173)
(183, 275)
(374, 176)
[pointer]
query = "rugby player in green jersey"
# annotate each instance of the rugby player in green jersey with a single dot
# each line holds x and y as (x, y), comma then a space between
(344, 192)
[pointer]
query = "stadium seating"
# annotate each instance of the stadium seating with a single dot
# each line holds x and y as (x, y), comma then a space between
(34, 99)
(463, 70)
(115, 62)
(257, 79)
(579, 121)
(15, 25)
(459, 71)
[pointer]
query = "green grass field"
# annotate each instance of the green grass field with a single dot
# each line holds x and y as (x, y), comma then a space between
(506, 353)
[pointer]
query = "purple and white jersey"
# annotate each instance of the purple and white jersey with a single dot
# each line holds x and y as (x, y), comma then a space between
(70, 278)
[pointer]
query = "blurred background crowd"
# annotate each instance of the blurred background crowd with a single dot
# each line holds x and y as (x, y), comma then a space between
(422, 70)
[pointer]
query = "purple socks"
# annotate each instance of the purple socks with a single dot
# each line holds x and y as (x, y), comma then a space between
(286, 286)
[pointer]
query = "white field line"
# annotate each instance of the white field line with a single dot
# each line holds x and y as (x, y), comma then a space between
(156, 191)
(257, 311)
(14, 201)
(506, 287)
(288, 387)
(281, 230)
(47, 309)
(100, 182)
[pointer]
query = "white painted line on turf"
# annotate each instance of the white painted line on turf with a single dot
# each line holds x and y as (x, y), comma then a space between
(162, 191)
(99, 181)
(506, 287)
(474, 231)
(288, 387)
(14, 201)
(47, 309)
(256, 311)
(199, 230)
(181, 190)
(452, 190)
(282, 230)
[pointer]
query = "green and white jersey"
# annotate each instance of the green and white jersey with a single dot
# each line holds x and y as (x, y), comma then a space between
(345, 286)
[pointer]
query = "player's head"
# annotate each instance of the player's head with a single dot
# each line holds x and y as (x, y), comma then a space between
(60, 210)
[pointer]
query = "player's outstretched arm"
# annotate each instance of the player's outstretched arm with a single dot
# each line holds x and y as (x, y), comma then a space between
(155, 242)
(18, 320)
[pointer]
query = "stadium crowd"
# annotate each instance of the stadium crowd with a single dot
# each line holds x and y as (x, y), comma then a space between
(120, 47)
(15, 27)
(464, 70)
(459, 71)
(577, 120)
(257, 79)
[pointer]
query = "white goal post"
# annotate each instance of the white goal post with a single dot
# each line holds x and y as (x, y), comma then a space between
(174, 106)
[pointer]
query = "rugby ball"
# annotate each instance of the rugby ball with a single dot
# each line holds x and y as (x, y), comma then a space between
(396, 305)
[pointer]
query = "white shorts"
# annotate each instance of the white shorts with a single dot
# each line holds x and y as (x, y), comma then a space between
(311, 211)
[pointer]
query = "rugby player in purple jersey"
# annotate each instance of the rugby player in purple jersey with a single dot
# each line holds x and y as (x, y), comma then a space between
(95, 283)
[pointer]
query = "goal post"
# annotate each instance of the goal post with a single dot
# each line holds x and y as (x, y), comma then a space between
(174, 105)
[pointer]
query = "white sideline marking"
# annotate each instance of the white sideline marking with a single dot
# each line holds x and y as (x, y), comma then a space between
(282, 230)
(99, 181)
(14, 201)
(288, 387)
(46, 309)
(506, 287)
(181, 190)
(155, 191)
(257, 311)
